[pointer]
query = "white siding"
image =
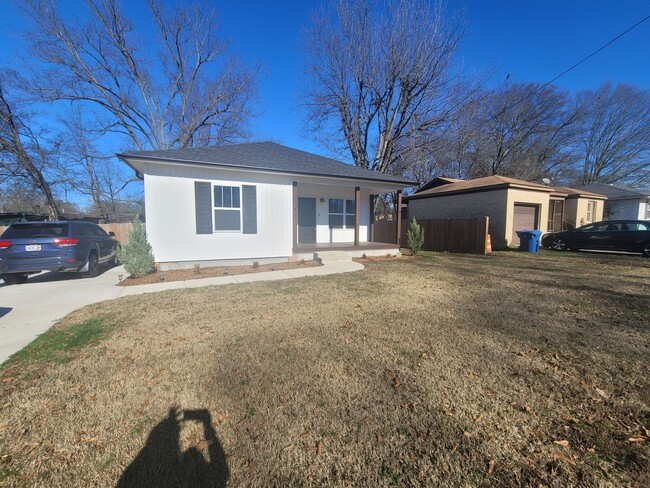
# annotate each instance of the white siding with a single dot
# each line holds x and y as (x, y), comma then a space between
(171, 227)
(171, 223)
(644, 210)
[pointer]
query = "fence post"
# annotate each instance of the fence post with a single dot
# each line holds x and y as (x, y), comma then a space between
(399, 216)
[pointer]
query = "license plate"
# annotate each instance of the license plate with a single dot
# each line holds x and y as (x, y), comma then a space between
(33, 247)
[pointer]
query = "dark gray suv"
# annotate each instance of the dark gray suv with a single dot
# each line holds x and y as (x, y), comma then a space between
(31, 247)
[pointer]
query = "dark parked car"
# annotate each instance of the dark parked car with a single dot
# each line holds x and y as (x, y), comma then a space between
(32, 247)
(612, 235)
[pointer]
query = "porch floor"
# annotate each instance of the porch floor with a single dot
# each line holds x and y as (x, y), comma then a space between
(344, 246)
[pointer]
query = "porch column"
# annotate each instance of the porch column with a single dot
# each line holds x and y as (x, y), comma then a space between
(295, 216)
(399, 215)
(371, 220)
(357, 211)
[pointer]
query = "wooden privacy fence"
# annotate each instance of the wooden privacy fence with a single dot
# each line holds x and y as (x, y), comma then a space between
(121, 230)
(459, 235)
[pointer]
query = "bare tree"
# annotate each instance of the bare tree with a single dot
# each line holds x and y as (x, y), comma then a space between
(96, 176)
(526, 132)
(379, 76)
(184, 92)
(615, 135)
(23, 154)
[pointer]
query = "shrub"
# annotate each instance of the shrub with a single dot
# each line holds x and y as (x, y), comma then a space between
(137, 255)
(415, 237)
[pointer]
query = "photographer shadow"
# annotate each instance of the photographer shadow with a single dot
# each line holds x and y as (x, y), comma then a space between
(161, 463)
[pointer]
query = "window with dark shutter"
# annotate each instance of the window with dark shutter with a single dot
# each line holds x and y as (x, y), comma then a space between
(203, 207)
(249, 209)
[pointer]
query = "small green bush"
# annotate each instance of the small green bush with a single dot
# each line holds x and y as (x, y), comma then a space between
(415, 237)
(137, 255)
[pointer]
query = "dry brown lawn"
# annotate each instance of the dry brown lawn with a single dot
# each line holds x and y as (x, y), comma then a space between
(510, 370)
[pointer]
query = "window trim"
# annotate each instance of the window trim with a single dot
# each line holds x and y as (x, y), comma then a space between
(591, 210)
(343, 214)
(231, 209)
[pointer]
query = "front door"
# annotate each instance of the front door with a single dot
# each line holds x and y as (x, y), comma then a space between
(306, 220)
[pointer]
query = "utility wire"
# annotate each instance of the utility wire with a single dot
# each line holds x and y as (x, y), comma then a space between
(608, 43)
(589, 56)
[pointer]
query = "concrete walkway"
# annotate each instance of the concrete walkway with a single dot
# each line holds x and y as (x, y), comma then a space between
(28, 310)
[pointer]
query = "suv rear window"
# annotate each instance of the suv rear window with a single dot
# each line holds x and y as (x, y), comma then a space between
(26, 231)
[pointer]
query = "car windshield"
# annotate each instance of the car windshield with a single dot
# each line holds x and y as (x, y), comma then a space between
(26, 231)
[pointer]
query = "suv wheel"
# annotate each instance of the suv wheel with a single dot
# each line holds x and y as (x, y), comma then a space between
(93, 266)
(15, 278)
(558, 244)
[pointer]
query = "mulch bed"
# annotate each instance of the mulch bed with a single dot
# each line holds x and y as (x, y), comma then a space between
(214, 271)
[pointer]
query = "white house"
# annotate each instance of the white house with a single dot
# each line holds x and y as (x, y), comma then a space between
(257, 201)
(623, 202)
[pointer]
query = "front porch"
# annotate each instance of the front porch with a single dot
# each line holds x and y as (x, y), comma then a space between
(341, 217)
(352, 250)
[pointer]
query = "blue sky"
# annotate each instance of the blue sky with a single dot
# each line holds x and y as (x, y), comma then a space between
(530, 40)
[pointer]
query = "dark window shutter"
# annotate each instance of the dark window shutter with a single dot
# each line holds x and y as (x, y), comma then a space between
(203, 207)
(249, 209)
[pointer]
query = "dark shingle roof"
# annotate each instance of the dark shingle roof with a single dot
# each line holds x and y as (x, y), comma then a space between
(616, 192)
(267, 156)
(477, 184)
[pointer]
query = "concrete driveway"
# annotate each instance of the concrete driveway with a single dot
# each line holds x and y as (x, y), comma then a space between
(28, 310)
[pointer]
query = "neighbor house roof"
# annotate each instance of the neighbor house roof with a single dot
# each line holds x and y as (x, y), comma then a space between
(617, 192)
(479, 184)
(438, 181)
(575, 192)
(264, 156)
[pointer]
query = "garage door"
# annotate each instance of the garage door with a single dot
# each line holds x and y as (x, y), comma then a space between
(525, 218)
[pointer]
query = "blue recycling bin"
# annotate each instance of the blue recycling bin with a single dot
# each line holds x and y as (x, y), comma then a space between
(529, 240)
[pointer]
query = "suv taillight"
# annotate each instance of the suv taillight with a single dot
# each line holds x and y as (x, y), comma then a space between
(4, 245)
(65, 242)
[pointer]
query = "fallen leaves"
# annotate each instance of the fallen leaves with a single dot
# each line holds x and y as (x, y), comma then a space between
(637, 438)
(203, 445)
(562, 442)
(602, 393)
(565, 459)
(491, 467)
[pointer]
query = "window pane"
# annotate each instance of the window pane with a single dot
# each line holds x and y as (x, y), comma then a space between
(336, 205)
(25, 231)
(336, 221)
(350, 207)
(350, 221)
(235, 197)
(227, 196)
(218, 199)
(227, 220)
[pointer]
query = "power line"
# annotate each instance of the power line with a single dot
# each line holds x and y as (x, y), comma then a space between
(540, 88)
(607, 44)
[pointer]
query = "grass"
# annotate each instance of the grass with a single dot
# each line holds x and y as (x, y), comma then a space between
(510, 370)
(59, 344)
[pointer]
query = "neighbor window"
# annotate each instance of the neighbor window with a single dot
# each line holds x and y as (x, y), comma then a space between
(591, 210)
(227, 208)
(647, 211)
(342, 213)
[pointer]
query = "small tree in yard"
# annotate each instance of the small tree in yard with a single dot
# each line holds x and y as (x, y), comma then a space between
(415, 237)
(137, 254)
